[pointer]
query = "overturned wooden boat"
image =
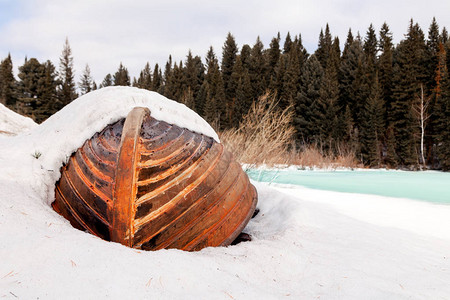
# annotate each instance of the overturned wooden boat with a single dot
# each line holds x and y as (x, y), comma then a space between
(151, 185)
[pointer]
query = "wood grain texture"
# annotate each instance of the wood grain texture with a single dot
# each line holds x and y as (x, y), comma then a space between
(151, 185)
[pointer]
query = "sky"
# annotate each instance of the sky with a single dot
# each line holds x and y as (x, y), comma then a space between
(104, 33)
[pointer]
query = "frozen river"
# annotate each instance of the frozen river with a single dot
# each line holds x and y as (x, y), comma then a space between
(428, 186)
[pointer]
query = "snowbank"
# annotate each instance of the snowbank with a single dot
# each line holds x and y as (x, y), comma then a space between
(306, 244)
(12, 123)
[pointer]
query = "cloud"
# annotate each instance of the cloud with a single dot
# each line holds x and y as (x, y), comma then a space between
(104, 33)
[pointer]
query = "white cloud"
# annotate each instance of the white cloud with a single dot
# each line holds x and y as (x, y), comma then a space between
(104, 33)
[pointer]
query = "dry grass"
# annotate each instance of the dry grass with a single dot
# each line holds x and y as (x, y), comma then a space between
(265, 137)
(312, 156)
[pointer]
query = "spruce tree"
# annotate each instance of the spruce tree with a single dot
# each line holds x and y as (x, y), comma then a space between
(107, 81)
(194, 73)
(176, 83)
(244, 95)
(444, 36)
(291, 78)
(442, 112)
(157, 78)
(326, 108)
(409, 74)
(86, 83)
(47, 93)
(167, 73)
(211, 113)
(273, 54)
(7, 83)
(38, 94)
(309, 93)
(229, 52)
(211, 65)
(215, 107)
(277, 79)
(370, 53)
(324, 48)
(145, 78)
(245, 56)
(350, 73)
(30, 74)
(287, 43)
(67, 90)
(372, 126)
(385, 73)
(258, 69)
(121, 77)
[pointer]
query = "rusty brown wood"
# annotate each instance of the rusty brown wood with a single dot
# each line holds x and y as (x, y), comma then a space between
(125, 186)
(151, 185)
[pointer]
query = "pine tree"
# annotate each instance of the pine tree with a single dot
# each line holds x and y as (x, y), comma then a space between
(67, 91)
(86, 83)
(7, 83)
(121, 77)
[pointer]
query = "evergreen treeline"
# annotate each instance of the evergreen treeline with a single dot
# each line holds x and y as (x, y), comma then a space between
(389, 104)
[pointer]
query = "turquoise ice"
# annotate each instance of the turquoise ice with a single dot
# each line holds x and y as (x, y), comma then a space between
(431, 186)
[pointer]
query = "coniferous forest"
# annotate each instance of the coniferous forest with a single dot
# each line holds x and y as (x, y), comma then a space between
(389, 104)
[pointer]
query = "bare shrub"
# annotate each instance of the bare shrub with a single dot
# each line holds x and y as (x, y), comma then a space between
(266, 136)
(263, 135)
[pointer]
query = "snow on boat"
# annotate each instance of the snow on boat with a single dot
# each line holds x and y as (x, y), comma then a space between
(150, 185)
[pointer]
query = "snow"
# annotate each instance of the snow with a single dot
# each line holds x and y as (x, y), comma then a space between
(12, 123)
(307, 244)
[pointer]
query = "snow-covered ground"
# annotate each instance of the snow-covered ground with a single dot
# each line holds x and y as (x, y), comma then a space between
(12, 123)
(307, 244)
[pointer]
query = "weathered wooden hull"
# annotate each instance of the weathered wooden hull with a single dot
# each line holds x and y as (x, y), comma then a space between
(151, 185)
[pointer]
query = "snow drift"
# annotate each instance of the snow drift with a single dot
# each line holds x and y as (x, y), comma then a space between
(305, 243)
(12, 123)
